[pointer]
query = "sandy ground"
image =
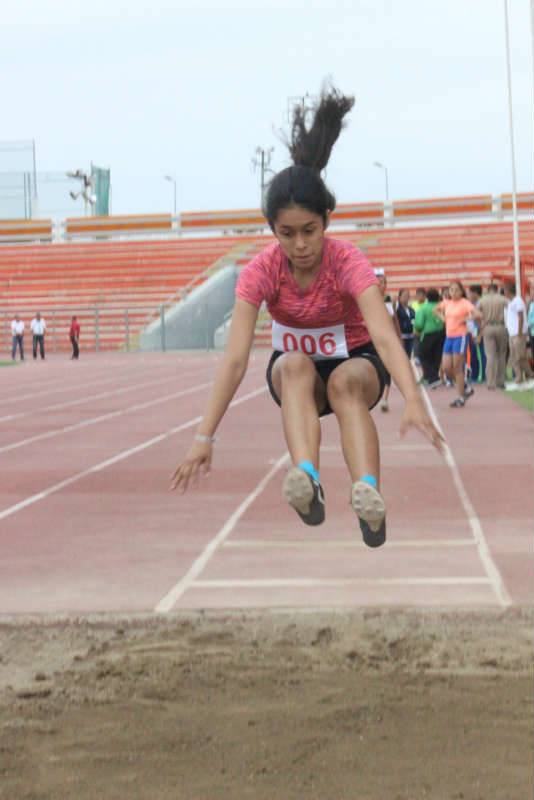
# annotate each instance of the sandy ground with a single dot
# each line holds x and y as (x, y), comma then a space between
(366, 705)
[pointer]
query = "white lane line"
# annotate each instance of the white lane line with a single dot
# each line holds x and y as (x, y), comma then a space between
(26, 392)
(166, 603)
(90, 398)
(336, 582)
(39, 437)
(333, 544)
(35, 498)
(396, 447)
(86, 423)
(474, 522)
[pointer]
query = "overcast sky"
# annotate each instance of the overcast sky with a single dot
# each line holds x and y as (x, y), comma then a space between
(193, 89)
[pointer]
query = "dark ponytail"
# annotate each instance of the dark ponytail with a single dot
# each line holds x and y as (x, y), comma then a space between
(310, 151)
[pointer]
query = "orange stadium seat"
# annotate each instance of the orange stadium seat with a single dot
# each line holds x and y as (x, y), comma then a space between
(105, 281)
(121, 283)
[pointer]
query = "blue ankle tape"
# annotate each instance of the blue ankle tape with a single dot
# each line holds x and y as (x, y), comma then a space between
(370, 479)
(308, 467)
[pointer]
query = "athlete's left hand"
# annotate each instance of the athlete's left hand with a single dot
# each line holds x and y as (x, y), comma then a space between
(416, 416)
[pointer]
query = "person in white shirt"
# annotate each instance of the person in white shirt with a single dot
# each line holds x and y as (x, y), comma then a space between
(516, 324)
(17, 333)
(38, 326)
(382, 282)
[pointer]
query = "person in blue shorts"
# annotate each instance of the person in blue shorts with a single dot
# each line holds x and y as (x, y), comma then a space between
(455, 313)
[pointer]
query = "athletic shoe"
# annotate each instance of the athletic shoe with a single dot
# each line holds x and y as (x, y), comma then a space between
(449, 384)
(469, 392)
(512, 387)
(458, 403)
(435, 384)
(305, 495)
(369, 505)
(384, 406)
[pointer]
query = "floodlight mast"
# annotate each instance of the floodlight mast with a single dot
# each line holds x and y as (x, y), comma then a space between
(172, 179)
(262, 160)
(89, 199)
(383, 166)
(515, 224)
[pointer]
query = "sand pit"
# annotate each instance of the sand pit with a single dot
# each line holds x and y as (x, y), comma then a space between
(366, 705)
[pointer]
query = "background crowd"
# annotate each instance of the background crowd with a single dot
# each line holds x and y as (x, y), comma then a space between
(462, 337)
(457, 337)
(38, 333)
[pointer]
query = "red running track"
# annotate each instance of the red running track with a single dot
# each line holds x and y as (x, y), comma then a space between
(87, 523)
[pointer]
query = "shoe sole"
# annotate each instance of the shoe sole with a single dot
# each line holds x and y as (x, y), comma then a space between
(297, 490)
(368, 504)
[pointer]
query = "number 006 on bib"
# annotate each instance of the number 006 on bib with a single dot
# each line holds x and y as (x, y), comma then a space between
(318, 343)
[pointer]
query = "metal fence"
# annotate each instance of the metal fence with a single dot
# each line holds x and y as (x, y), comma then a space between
(108, 328)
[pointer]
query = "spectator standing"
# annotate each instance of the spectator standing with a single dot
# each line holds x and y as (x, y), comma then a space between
(420, 298)
(382, 285)
(516, 324)
(17, 337)
(530, 323)
(38, 328)
(74, 335)
(477, 360)
(406, 316)
(492, 306)
(431, 332)
(455, 313)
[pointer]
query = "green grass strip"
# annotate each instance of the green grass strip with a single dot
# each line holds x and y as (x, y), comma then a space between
(525, 398)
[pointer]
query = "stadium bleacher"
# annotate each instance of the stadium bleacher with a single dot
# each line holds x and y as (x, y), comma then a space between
(116, 286)
(113, 287)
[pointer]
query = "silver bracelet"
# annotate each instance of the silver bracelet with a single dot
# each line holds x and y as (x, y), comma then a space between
(201, 437)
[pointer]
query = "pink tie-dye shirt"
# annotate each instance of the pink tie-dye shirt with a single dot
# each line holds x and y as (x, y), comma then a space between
(345, 273)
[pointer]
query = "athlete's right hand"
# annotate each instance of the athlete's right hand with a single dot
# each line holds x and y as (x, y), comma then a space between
(196, 463)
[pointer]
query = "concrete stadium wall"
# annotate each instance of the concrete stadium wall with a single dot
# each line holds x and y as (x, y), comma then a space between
(191, 323)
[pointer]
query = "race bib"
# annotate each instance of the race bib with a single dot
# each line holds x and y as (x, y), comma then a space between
(318, 343)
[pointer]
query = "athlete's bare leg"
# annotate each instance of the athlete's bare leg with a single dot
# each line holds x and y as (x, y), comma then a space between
(458, 369)
(303, 397)
(352, 388)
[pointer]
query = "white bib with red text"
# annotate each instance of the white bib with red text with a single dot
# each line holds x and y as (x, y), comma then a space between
(318, 343)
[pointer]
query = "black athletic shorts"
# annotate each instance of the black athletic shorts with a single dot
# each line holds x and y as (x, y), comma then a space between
(325, 368)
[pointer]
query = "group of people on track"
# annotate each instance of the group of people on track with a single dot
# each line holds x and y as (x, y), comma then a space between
(38, 331)
(463, 338)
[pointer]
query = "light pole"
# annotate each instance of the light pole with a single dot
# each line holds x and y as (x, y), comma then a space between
(515, 224)
(262, 160)
(383, 166)
(172, 179)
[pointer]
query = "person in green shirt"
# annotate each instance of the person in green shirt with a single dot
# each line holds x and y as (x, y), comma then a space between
(431, 332)
(420, 299)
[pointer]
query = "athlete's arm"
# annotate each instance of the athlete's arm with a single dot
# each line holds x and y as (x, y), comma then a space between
(439, 312)
(227, 379)
(396, 361)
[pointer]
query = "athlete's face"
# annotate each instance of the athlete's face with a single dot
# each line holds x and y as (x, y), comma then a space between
(455, 292)
(301, 236)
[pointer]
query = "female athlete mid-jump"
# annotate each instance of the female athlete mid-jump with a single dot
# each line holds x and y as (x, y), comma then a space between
(332, 336)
